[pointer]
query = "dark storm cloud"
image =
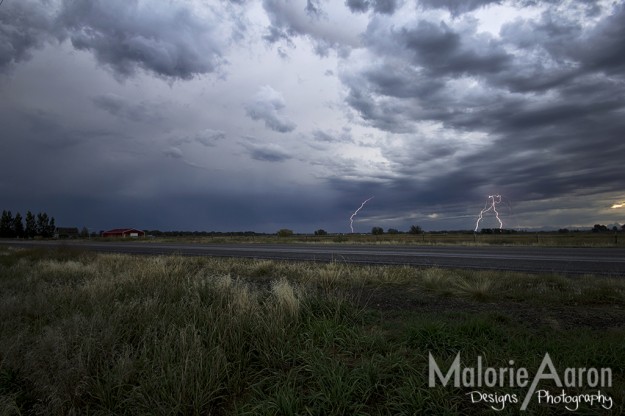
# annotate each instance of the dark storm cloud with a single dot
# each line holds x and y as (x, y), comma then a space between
(550, 107)
(392, 96)
(290, 19)
(408, 79)
(603, 49)
(599, 46)
(267, 106)
(568, 53)
(385, 6)
(24, 26)
(379, 6)
(438, 113)
(167, 39)
(562, 153)
(313, 8)
(443, 51)
(285, 21)
(275, 34)
(456, 7)
(358, 6)
(387, 116)
(401, 81)
(377, 89)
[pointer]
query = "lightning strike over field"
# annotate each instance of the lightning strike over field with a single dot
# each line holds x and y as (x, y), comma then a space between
(619, 205)
(351, 219)
(491, 204)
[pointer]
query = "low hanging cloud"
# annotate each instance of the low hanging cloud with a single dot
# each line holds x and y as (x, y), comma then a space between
(266, 152)
(267, 106)
(120, 107)
(208, 137)
(176, 153)
(24, 26)
(378, 6)
(322, 136)
(165, 38)
(293, 18)
(168, 39)
(313, 8)
(173, 152)
(444, 51)
(456, 7)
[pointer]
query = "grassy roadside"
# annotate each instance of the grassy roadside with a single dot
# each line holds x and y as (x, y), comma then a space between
(93, 333)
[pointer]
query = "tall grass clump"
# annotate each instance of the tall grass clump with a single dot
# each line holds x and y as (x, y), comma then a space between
(285, 297)
(480, 286)
(436, 280)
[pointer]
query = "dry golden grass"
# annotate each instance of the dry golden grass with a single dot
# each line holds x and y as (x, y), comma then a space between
(286, 297)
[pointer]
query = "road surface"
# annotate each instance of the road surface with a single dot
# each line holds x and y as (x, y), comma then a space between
(605, 261)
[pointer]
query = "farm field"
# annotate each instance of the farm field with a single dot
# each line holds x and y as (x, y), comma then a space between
(541, 239)
(89, 333)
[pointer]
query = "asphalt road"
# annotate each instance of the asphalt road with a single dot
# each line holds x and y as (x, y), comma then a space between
(605, 261)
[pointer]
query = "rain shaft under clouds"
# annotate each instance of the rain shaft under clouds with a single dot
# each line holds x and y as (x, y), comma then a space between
(260, 115)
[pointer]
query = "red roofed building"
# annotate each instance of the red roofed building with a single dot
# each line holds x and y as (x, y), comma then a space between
(123, 232)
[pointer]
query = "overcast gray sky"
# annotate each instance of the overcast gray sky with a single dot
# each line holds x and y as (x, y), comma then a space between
(260, 115)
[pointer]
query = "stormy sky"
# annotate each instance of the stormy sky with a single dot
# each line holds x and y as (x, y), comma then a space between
(261, 115)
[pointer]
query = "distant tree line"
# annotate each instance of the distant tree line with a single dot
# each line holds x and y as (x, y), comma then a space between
(600, 228)
(414, 229)
(497, 231)
(32, 226)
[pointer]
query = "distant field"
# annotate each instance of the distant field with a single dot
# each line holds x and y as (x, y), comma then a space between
(87, 333)
(573, 239)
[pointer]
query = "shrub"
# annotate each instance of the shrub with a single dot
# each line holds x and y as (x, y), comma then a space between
(285, 232)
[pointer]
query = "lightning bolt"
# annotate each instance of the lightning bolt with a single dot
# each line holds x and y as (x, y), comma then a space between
(491, 203)
(351, 219)
(619, 205)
